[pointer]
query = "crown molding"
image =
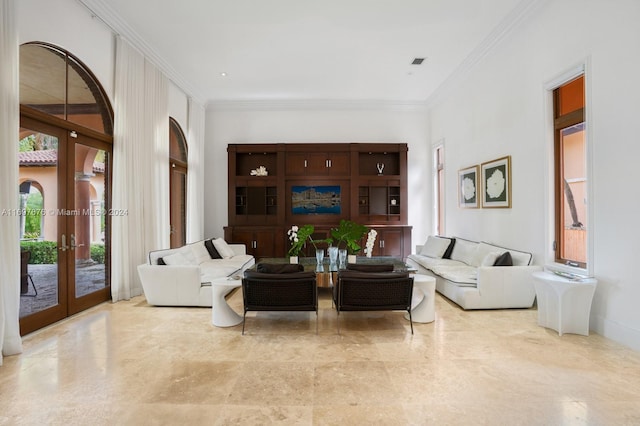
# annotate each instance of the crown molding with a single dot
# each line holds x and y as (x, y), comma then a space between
(509, 23)
(105, 13)
(316, 104)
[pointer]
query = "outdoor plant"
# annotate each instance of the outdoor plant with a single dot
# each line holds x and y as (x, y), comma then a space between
(348, 235)
(97, 253)
(42, 252)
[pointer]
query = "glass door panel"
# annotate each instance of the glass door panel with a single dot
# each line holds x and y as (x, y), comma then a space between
(87, 242)
(42, 298)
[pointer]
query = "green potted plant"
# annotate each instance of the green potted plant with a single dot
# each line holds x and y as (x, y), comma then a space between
(348, 235)
(298, 235)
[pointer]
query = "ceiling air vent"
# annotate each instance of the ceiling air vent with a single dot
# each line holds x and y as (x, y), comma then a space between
(417, 61)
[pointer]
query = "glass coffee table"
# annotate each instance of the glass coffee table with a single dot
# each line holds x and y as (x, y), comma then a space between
(326, 273)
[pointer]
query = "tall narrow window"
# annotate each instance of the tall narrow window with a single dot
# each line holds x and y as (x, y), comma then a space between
(570, 174)
(177, 184)
(438, 156)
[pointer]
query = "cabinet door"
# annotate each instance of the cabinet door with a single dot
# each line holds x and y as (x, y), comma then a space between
(296, 164)
(339, 163)
(259, 243)
(317, 163)
(389, 242)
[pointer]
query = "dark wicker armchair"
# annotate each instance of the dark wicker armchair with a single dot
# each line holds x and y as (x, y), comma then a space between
(264, 291)
(373, 291)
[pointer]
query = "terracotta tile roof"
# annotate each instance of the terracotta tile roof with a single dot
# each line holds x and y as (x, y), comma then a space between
(47, 157)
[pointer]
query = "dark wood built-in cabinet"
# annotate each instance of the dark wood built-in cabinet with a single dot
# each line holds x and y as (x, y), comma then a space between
(367, 184)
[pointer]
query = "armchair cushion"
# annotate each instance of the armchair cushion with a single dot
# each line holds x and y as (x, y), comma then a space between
(384, 267)
(279, 268)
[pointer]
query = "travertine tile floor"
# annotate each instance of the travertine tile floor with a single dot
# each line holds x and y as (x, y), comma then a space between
(130, 363)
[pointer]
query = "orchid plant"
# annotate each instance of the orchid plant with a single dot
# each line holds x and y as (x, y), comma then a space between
(298, 236)
(371, 239)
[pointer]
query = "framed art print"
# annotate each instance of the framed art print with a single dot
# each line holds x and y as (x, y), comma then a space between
(468, 188)
(496, 183)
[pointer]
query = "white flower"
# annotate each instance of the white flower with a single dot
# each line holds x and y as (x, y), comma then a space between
(371, 238)
(495, 184)
(294, 228)
(468, 189)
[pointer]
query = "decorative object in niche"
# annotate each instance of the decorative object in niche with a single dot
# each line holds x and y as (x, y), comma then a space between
(496, 180)
(468, 188)
(380, 167)
(260, 171)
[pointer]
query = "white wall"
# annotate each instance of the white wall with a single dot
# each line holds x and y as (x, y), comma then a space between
(178, 105)
(502, 108)
(307, 125)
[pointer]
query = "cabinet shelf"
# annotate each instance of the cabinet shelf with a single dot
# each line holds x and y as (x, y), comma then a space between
(248, 161)
(379, 163)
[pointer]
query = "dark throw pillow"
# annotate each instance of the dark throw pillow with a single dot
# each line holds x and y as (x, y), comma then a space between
(161, 261)
(504, 260)
(212, 250)
(279, 268)
(384, 267)
(449, 250)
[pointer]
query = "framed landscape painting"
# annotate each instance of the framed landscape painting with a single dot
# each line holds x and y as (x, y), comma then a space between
(496, 183)
(468, 188)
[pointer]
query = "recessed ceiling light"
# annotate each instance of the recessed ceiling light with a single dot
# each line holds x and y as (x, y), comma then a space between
(417, 61)
(223, 74)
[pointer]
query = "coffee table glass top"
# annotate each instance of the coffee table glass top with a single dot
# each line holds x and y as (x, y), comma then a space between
(310, 263)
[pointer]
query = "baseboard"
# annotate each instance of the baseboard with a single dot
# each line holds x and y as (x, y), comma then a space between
(617, 332)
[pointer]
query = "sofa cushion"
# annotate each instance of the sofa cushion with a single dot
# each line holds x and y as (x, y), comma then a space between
(490, 258)
(177, 258)
(465, 251)
(200, 252)
(520, 258)
(461, 274)
(213, 253)
(363, 267)
(435, 246)
(504, 260)
(279, 268)
(223, 248)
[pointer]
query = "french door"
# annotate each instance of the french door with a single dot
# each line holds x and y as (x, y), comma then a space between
(65, 238)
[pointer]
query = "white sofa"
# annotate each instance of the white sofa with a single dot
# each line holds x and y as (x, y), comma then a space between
(465, 273)
(187, 273)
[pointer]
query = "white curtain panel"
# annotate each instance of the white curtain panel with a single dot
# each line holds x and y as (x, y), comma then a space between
(195, 172)
(10, 340)
(141, 149)
(157, 190)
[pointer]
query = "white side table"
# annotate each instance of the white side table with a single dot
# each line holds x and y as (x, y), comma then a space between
(564, 305)
(423, 300)
(221, 313)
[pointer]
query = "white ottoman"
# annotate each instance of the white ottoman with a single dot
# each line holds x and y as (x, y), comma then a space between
(221, 313)
(423, 307)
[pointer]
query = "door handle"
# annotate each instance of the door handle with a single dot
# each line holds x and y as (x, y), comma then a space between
(73, 242)
(64, 245)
